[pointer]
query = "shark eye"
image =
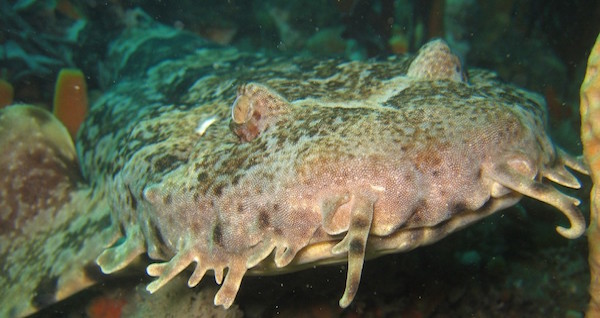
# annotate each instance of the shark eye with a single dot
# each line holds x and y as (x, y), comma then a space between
(242, 109)
(255, 108)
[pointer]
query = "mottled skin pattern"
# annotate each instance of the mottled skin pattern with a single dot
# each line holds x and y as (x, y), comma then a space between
(52, 224)
(238, 162)
(316, 160)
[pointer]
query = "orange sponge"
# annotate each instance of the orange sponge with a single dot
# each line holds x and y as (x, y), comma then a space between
(70, 99)
(105, 307)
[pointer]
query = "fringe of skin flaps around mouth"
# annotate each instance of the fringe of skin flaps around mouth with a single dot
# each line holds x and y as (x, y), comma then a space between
(590, 137)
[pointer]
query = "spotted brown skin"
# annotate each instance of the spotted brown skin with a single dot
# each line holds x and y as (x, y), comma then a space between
(52, 224)
(305, 162)
(261, 165)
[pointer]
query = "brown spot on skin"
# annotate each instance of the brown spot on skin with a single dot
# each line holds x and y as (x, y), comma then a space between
(168, 199)
(427, 159)
(356, 246)
(240, 207)
(263, 220)
(278, 232)
(218, 189)
(360, 222)
(236, 179)
(217, 235)
(133, 202)
(159, 237)
(418, 212)
(416, 219)
(165, 162)
(196, 226)
(458, 208)
(421, 207)
(202, 176)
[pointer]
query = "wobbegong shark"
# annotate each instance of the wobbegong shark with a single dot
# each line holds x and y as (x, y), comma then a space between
(240, 164)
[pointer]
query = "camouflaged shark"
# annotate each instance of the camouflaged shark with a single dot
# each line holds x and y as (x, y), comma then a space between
(239, 163)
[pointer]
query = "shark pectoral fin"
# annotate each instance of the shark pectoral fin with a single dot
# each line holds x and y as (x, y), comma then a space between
(52, 227)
